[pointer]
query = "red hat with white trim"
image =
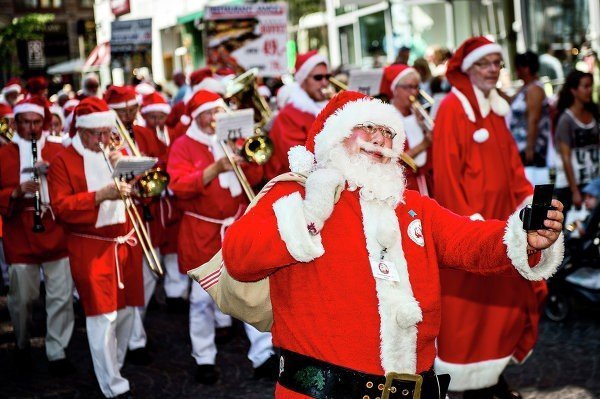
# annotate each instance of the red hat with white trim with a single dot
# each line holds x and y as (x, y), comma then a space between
(37, 105)
(154, 102)
(472, 50)
(55, 109)
(199, 75)
(144, 88)
(6, 111)
(93, 112)
(117, 97)
(12, 86)
(306, 62)
(392, 75)
(70, 105)
(203, 100)
(36, 85)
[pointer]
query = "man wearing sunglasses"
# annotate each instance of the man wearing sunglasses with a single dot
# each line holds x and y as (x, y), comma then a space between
(353, 260)
(307, 98)
(478, 173)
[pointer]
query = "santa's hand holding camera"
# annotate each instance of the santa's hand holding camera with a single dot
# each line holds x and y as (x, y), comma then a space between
(538, 240)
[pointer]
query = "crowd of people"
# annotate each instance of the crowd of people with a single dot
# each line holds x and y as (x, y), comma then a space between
(376, 265)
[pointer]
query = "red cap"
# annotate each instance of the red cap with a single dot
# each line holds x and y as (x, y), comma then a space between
(199, 75)
(202, 101)
(36, 104)
(392, 75)
(36, 85)
(120, 96)
(154, 102)
(92, 112)
(6, 111)
(12, 86)
(306, 62)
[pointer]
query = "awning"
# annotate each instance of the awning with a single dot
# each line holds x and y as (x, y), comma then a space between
(99, 56)
(184, 19)
(66, 67)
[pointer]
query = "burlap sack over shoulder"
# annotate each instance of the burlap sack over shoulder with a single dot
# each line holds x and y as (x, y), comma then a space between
(249, 302)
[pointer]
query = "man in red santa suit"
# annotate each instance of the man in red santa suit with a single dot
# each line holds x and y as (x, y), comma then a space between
(27, 251)
(123, 100)
(399, 83)
(353, 260)
(155, 110)
(105, 258)
(211, 198)
(307, 98)
(478, 174)
(37, 86)
(11, 91)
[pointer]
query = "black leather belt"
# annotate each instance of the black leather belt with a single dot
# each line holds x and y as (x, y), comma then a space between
(322, 380)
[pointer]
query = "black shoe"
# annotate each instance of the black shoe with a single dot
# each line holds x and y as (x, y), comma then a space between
(223, 335)
(206, 374)
(139, 357)
(502, 391)
(177, 306)
(269, 370)
(125, 395)
(61, 367)
(23, 361)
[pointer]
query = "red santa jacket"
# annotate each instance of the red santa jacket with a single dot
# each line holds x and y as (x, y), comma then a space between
(94, 260)
(477, 171)
(199, 240)
(290, 128)
(330, 306)
(21, 244)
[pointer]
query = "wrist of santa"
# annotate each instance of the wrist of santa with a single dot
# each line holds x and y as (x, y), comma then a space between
(518, 251)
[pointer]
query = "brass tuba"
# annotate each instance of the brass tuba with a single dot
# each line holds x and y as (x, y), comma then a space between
(6, 132)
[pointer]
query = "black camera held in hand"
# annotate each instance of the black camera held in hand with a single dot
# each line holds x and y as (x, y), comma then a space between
(533, 215)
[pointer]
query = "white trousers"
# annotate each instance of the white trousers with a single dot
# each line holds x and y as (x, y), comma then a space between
(108, 335)
(25, 288)
(138, 337)
(177, 285)
(203, 320)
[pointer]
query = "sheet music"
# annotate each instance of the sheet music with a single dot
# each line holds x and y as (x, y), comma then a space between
(133, 166)
(366, 82)
(235, 124)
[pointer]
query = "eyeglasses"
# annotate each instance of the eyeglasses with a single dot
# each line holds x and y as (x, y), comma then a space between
(371, 128)
(487, 64)
(98, 133)
(320, 76)
(409, 87)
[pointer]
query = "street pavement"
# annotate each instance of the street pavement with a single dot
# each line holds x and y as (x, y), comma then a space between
(565, 364)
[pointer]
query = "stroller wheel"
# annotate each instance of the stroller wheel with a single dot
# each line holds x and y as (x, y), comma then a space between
(558, 306)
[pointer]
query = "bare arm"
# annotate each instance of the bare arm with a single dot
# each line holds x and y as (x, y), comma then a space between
(534, 99)
(565, 156)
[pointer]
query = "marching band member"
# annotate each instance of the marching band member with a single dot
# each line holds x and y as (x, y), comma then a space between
(211, 197)
(123, 100)
(353, 260)
(105, 257)
(307, 98)
(12, 91)
(155, 110)
(399, 83)
(478, 173)
(27, 251)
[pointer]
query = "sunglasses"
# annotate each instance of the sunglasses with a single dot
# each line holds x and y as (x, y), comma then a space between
(371, 128)
(319, 77)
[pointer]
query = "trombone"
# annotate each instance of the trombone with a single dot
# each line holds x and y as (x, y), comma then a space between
(427, 120)
(132, 211)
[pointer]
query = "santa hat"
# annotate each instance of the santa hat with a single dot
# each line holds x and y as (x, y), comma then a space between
(12, 86)
(93, 112)
(36, 85)
(472, 50)
(337, 120)
(224, 73)
(144, 88)
(120, 97)
(6, 111)
(37, 105)
(392, 75)
(199, 75)
(55, 109)
(203, 100)
(154, 102)
(176, 115)
(70, 105)
(306, 62)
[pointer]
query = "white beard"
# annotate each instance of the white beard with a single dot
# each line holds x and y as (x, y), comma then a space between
(377, 181)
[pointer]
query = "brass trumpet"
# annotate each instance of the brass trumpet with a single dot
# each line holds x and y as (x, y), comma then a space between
(427, 120)
(5, 130)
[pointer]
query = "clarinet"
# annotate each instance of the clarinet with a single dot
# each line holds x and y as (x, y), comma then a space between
(38, 227)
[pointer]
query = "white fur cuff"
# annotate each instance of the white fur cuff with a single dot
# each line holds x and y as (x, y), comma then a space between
(472, 375)
(515, 239)
(291, 223)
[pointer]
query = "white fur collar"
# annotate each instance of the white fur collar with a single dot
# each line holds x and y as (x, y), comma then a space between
(301, 101)
(493, 102)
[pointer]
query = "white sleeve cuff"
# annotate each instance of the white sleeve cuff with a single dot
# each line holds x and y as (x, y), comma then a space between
(515, 239)
(293, 230)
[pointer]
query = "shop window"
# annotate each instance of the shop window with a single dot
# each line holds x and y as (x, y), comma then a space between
(347, 45)
(372, 38)
(37, 4)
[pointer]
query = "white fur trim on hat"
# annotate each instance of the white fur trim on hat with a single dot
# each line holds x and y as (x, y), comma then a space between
(58, 111)
(339, 125)
(301, 160)
(210, 84)
(123, 104)
(515, 239)
(478, 54)
(159, 107)
(11, 89)
(28, 107)
(401, 76)
(302, 73)
(475, 375)
(207, 106)
(96, 119)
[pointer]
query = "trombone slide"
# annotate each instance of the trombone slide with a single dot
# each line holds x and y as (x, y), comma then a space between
(239, 173)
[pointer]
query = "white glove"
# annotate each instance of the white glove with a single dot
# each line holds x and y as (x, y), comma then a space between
(323, 189)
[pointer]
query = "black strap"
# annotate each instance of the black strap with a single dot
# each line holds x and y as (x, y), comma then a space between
(321, 380)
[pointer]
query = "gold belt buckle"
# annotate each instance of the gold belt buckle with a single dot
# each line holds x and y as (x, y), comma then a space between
(390, 377)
